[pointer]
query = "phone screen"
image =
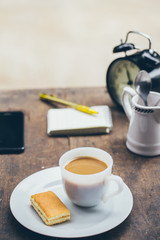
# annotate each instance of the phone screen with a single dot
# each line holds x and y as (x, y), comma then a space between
(11, 132)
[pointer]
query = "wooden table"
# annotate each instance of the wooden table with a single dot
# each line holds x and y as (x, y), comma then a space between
(141, 174)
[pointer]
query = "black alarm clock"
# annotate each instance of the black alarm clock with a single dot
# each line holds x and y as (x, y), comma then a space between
(123, 71)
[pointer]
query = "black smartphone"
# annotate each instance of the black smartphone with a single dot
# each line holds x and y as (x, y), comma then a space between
(11, 132)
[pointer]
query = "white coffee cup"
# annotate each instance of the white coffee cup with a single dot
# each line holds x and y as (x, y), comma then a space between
(143, 135)
(89, 190)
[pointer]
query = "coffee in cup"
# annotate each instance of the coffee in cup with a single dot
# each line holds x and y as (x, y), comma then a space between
(86, 175)
(86, 165)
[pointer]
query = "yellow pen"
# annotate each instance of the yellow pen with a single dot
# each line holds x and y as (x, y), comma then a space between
(79, 107)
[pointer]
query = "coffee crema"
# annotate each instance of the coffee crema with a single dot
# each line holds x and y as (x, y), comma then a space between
(86, 165)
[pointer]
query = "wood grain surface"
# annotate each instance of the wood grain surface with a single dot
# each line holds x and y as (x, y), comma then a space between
(141, 174)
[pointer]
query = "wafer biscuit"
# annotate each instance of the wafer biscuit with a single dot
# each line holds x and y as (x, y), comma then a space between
(50, 208)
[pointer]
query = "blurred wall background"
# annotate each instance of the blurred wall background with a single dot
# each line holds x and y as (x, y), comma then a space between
(68, 43)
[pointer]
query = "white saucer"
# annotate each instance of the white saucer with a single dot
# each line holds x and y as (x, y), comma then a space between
(84, 221)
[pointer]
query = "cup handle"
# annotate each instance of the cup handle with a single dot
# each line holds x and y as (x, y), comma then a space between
(120, 184)
(128, 91)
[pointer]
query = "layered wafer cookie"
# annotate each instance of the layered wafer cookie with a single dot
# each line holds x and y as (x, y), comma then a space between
(50, 208)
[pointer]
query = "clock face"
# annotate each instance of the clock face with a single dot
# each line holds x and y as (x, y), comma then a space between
(121, 73)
